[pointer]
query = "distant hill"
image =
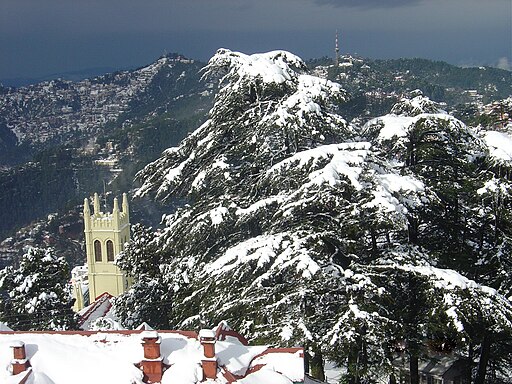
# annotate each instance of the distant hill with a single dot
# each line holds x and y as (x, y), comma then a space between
(77, 135)
(78, 75)
(375, 85)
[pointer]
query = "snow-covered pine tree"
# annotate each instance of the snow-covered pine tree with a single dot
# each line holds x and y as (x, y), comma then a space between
(38, 293)
(448, 157)
(493, 229)
(466, 226)
(148, 299)
(283, 209)
(493, 210)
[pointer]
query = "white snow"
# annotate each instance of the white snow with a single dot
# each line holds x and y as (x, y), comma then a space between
(392, 183)
(260, 204)
(286, 363)
(494, 186)
(304, 101)
(109, 357)
(217, 215)
(236, 357)
(398, 126)
(344, 158)
(207, 333)
(500, 145)
(265, 376)
(112, 360)
(392, 126)
(261, 248)
(99, 316)
(4, 327)
(450, 283)
(270, 67)
(276, 250)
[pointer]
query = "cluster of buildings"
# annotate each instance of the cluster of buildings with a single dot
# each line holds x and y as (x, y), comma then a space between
(59, 109)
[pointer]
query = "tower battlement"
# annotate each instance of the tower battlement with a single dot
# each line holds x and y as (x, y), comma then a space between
(98, 220)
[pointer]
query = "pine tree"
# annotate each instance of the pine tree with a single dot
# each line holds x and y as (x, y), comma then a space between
(297, 233)
(447, 156)
(279, 203)
(38, 293)
(465, 227)
(149, 298)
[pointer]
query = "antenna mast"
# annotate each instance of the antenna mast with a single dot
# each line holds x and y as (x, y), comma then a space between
(337, 51)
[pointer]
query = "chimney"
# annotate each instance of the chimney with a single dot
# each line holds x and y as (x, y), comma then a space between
(152, 365)
(209, 361)
(19, 363)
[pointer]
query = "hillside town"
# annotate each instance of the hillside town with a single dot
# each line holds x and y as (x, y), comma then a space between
(60, 110)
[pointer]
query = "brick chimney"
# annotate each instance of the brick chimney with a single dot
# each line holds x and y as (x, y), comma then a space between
(19, 363)
(209, 361)
(152, 366)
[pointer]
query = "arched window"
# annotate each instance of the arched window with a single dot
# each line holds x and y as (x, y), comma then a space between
(110, 250)
(97, 250)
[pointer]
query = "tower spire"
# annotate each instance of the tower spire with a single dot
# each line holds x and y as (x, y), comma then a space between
(337, 50)
(125, 206)
(96, 204)
(116, 206)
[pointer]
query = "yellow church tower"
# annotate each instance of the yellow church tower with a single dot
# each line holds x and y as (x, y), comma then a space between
(105, 236)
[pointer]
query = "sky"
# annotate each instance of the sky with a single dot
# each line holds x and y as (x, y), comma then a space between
(42, 37)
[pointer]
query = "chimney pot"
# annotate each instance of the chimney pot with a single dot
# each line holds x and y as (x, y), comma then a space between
(152, 365)
(19, 362)
(209, 363)
(151, 343)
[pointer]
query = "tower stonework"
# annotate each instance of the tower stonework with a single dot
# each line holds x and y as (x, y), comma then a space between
(105, 236)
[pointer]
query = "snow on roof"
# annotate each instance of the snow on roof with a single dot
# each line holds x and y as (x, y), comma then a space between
(206, 333)
(149, 334)
(4, 327)
(287, 362)
(110, 357)
(101, 308)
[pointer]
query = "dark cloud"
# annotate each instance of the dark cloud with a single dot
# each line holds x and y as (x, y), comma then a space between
(41, 37)
(368, 3)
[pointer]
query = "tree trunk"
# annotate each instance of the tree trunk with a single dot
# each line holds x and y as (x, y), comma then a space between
(470, 358)
(316, 364)
(353, 364)
(413, 369)
(412, 229)
(485, 352)
(374, 241)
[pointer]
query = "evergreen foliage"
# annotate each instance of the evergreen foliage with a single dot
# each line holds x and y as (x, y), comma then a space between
(37, 294)
(148, 299)
(298, 233)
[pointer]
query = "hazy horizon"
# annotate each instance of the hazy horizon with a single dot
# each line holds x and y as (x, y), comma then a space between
(39, 39)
